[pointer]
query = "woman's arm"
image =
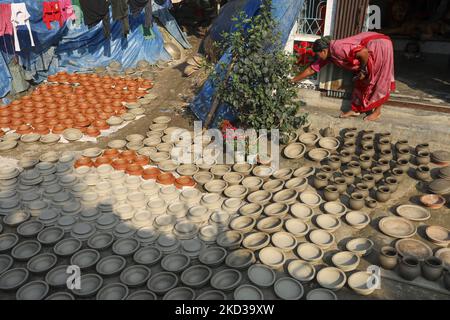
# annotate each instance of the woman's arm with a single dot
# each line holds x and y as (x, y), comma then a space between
(305, 74)
(363, 57)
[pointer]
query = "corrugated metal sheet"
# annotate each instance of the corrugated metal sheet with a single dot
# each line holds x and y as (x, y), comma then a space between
(348, 20)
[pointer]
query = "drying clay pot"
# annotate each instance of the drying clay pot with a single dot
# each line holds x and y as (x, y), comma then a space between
(331, 278)
(432, 268)
(357, 201)
(388, 257)
(409, 268)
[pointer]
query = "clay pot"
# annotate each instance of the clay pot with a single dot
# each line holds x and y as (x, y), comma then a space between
(345, 156)
(402, 144)
(399, 174)
(362, 188)
(120, 164)
(83, 161)
(402, 164)
(4, 121)
(423, 158)
(384, 144)
(102, 160)
(150, 173)
(334, 162)
(409, 268)
(142, 160)
(365, 161)
(349, 147)
(134, 170)
(184, 181)
(392, 184)
(331, 193)
(386, 155)
(128, 155)
(58, 128)
(341, 184)
(357, 201)
(404, 153)
(349, 177)
(432, 268)
(327, 170)
(165, 178)
(367, 134)
(383, 194)
(423, 147)
(377, 173)
(320, 181)
(355, 167)
(368, 150)
(41, 129)
(388, 257)
(24, 129)
(369, 180)
(447, 279)
(384, 165)
(367, 141)
(92, 132)
(371, 203)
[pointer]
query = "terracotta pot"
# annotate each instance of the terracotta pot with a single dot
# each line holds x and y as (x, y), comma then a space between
(103, 116)
(101, 125)
(150, 173)
(90, 131)
(83, 161)
(4, 121)
(142, 160)
(51, 115)
(134, 170)
(128, 155)
(58, 128)
(16, 115)
(409, 268)
(184, 182)
(51, 123)
(40, 111)
(102, 160)
(28, 110)
(4, 112)
(111, 153)
(388, 258)
(432, 268)
(24, 129)
(120, 164)
(41, 129)
(69, 123)
(165, 178)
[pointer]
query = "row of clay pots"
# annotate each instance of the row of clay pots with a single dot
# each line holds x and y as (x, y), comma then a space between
(410, 268)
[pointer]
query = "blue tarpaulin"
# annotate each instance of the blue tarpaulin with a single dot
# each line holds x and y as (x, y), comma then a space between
(284, 11)
(78, 48)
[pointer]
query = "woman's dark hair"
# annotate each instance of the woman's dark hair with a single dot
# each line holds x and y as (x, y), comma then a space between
(321, 44)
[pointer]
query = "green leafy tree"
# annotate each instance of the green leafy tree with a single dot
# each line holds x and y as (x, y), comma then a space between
(256, 83)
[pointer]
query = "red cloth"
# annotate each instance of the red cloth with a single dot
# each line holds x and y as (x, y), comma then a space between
(375, 90)
(52, 12)
(6, 26)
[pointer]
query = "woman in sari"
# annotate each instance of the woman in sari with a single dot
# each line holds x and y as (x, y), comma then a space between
(370, 56)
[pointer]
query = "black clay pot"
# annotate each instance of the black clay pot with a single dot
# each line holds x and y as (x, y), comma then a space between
(320, 181)
(388, 257)
(447, 279)
(356, 201)
(331, 193)
(432, 268)
(409, 268)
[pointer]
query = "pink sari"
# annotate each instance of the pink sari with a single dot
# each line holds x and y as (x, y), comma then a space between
(375, 89)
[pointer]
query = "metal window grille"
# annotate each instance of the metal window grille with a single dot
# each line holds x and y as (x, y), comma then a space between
(311, 19)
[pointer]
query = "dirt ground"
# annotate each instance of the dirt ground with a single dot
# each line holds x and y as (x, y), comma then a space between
(173, 94)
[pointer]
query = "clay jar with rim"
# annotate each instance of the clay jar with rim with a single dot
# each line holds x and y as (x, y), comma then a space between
(399, 174)
(383, 165)
(349, 177)
(384, 144)
(349, 147)
(355, 167)
(404, 153)
(362, 188)
(369, 150)
(320, 180)
(388, 257)
(350, 137)
(345, 157)
(402, 164)
(150, 173)
(341, 184)
(369, 180)
(423, 173)
(386, 155)
(403, 143)
(432, 268)
(357, 201)
(423, 158)
(391, 183)
(377, 173)
(383, 194)
(331, 193)
(334, 162)
(409, 268)
(423, 147)
(365, 161)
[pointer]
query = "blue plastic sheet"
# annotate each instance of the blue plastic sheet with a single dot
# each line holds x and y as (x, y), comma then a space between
(284, 11)
(78, 48)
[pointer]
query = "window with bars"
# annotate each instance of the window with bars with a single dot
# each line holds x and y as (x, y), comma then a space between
(311, 19)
